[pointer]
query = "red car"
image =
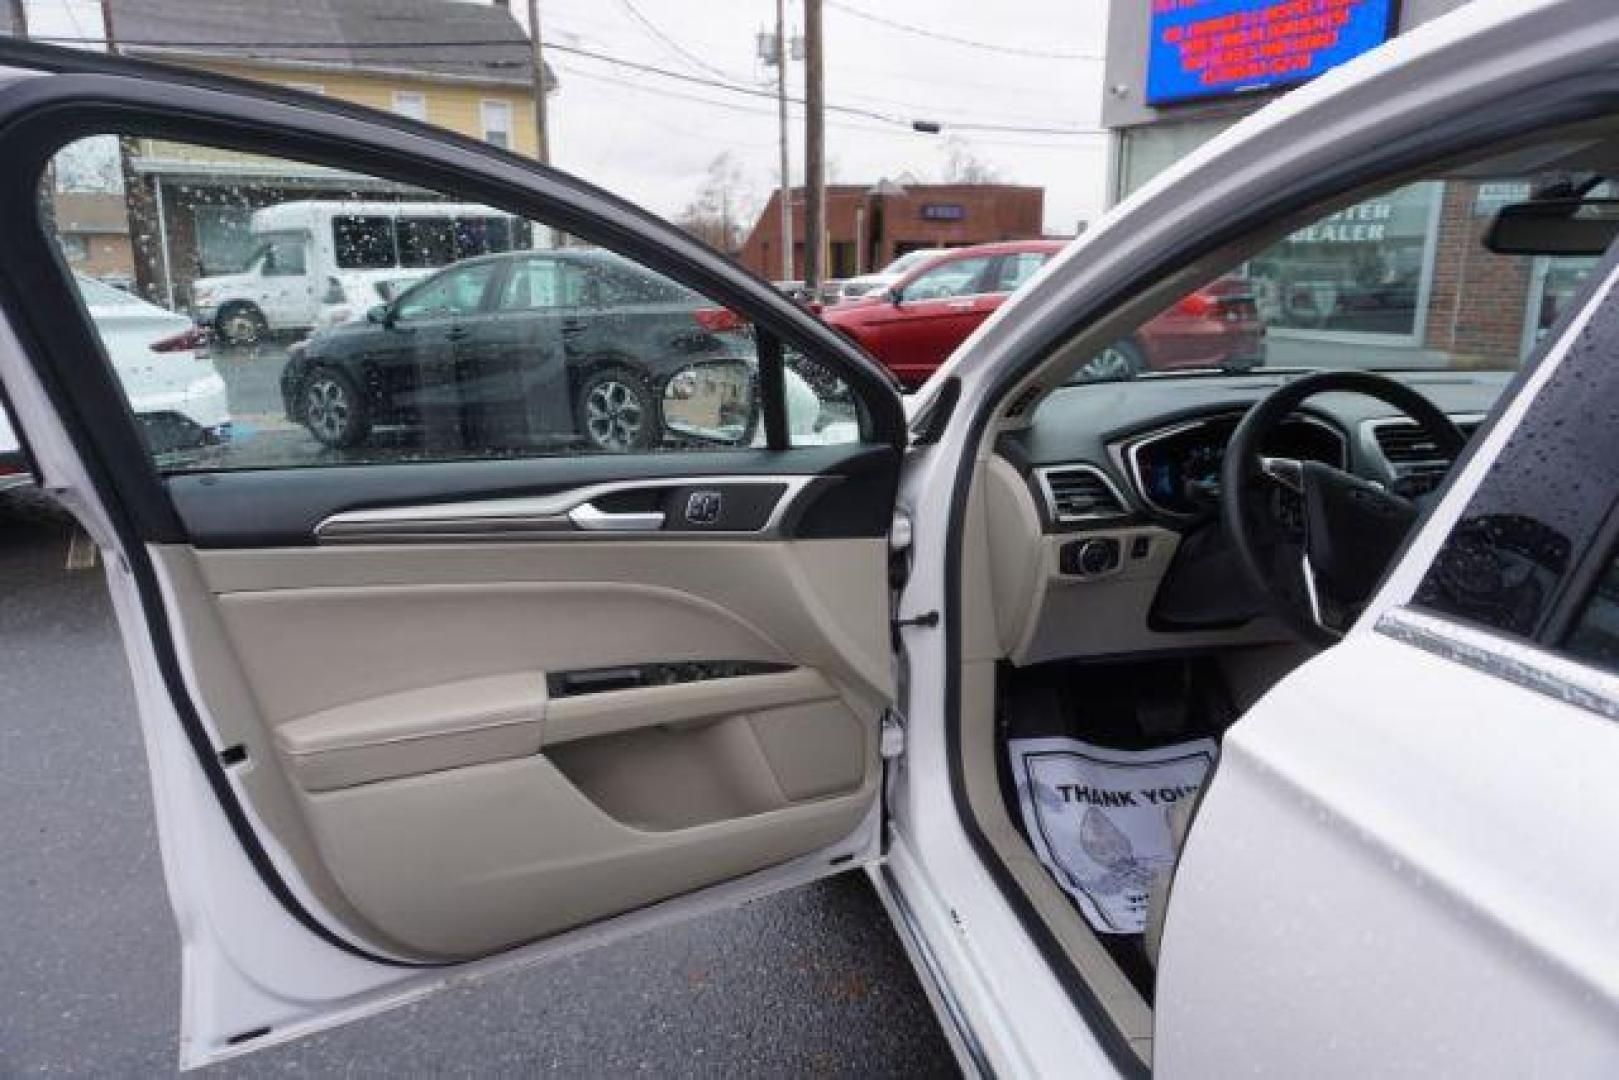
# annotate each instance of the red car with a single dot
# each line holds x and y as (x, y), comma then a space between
(913, 326)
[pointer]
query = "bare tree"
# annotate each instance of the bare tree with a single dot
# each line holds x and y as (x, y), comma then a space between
(719, 215)
(90, 165)
(963, 166)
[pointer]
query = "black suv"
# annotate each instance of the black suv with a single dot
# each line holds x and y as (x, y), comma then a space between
(568, 346)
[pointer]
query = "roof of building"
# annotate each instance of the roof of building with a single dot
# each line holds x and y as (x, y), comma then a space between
(91, 212)
(470, 41)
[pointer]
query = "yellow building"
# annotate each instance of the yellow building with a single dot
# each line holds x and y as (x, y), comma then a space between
(461, 65)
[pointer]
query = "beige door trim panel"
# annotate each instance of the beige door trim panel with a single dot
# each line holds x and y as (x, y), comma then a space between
(444, 806)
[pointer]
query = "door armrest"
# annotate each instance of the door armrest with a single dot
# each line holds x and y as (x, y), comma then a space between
(470, 722)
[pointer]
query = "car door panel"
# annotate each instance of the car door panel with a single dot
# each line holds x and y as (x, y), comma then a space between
(1434, 786)
(725, 774)
(449, 708)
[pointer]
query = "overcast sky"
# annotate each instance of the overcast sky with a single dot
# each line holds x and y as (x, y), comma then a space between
(652, 138)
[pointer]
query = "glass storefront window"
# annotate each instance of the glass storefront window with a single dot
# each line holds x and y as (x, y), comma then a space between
(1363, 270)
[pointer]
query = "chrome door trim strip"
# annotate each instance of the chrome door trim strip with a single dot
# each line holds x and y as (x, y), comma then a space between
(1519, 662)
(547, 517)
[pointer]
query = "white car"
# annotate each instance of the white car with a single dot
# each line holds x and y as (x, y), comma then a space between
(1206, 723)
(161, 362)
(866, 284)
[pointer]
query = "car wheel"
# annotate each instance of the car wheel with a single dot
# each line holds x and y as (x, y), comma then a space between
(333, 410)
(241, 324)
(1120, 360)
(616, 411)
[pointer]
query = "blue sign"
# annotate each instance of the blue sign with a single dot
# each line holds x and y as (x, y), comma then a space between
(1212, 48)
(943, 212)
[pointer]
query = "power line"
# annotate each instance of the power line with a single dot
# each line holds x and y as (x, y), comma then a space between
(674, 46)
(749, 110)
(573, 50)
(922, 31)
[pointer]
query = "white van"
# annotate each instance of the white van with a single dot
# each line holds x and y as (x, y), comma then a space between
(318, 263)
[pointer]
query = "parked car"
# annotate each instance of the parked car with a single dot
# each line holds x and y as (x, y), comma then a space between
(162, 361)
(866, 284)
(913, 325)
(426, 719)
(567, 345)
(317, 262)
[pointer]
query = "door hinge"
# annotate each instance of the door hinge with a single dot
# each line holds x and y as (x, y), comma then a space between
(892, 743)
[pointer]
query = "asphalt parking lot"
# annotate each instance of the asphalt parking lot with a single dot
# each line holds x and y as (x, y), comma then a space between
(810, 982)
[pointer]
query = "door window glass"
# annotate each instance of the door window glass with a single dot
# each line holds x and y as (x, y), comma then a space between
(284, 257)
(541, 285)
(959, 277)
(458, 292)
(1595, 635)
(361, 361)
(1014, 270)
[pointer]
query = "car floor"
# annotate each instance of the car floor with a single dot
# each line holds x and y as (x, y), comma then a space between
(1132, 706)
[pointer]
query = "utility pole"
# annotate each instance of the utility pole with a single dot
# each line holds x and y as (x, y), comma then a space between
(153, 279)
(542, 125)
(814, 151)
(781, 109)
(19, 19)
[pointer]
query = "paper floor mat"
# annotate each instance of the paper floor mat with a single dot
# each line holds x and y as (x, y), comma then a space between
(1099, 818)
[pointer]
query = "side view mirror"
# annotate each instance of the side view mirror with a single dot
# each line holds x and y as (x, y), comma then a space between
(894, 295)
(380, 314)
(712, 401)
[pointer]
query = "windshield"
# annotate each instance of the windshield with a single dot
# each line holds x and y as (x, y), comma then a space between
(1399, 281)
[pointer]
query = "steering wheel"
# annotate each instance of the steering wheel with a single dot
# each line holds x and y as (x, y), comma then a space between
(1313, 540)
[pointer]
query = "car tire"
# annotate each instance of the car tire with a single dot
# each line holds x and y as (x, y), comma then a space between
(241, 324)
(616, 411)
(1121, 360)
(333, 409)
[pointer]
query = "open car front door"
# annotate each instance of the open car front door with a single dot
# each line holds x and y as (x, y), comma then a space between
(445, 666)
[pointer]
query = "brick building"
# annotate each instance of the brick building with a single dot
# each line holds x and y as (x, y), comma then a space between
(867, 230)
(94, 233)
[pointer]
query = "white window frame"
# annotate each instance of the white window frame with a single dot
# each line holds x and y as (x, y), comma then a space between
(410, 103)
(497, 106)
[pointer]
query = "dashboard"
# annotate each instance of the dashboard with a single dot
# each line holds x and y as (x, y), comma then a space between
(1102, 522)
(1176, 470)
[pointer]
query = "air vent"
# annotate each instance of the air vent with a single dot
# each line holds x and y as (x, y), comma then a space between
(1080, 492)
(1404, 443)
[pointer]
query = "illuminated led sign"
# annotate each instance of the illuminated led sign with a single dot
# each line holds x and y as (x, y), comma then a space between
(1213, 48)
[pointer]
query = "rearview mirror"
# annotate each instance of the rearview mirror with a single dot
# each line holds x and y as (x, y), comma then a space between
(1554, 227)
(714, 401)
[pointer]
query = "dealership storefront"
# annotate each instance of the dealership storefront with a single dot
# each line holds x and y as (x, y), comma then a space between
(1398, 276)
